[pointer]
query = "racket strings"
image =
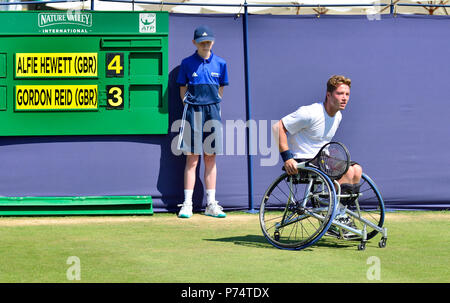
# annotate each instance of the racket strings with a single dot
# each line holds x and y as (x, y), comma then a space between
(334, 160)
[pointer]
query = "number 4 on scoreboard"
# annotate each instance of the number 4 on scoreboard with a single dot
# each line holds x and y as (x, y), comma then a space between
(114, 64)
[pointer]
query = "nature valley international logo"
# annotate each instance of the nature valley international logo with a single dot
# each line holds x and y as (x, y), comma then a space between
(76, 18)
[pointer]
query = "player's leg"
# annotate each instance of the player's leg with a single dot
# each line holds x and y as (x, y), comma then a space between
(350, 181)
(353, 175)
(357, 173)
(350, 184)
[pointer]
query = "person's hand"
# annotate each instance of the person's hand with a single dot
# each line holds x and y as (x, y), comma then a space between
(291, 166)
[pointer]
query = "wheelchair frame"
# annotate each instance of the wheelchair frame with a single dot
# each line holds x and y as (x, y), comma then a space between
(328, 210)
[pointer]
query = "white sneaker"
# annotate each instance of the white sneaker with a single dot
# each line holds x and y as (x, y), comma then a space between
(214, 210)
(185, 211)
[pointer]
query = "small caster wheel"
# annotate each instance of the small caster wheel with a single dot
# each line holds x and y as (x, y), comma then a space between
(276, 236)
(382, 243)
(362, 246)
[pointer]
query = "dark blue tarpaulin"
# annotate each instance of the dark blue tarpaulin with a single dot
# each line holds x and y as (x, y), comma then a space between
(396, 124)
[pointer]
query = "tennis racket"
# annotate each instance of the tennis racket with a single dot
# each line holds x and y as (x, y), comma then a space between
(333, 159)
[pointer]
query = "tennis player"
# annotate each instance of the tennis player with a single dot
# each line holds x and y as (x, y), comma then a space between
(202, 77)
(303, 132)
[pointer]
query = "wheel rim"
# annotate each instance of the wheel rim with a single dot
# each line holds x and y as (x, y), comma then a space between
(296, 225)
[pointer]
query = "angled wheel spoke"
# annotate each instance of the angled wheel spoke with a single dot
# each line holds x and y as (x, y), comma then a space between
(289, 207)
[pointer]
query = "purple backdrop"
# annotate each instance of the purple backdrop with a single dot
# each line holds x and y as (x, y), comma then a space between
(395, 125)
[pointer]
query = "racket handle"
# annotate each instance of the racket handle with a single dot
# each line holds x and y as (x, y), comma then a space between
(301, 164)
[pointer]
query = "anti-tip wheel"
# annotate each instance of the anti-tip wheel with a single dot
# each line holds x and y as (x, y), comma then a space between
(362, 246)
(276, 236)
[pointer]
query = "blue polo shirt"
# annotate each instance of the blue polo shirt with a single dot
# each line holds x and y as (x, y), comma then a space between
(203, 77)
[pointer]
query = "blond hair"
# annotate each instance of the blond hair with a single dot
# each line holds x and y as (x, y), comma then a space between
(337, 80)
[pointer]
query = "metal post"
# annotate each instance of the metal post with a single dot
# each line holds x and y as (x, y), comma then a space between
(248, 111)
(92, 5)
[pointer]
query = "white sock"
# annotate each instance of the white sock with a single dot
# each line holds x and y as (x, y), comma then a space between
(210, 196)
(188, 196)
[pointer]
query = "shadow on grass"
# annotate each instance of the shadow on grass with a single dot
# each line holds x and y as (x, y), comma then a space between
(335, 243)
(259, 241)
(248, 240)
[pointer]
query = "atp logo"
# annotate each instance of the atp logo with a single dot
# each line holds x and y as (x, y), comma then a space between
(147, 23)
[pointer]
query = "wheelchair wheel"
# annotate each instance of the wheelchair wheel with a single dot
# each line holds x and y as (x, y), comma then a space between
(368, 208)
(297, 210)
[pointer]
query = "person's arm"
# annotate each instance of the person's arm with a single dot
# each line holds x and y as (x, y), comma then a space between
(289, 163)
(221, 91)
(183, 90)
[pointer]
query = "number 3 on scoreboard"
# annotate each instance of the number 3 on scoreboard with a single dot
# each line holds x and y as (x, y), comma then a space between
(114, 94)
(114, 64)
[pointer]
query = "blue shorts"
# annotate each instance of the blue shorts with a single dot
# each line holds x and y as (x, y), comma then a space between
(201, 130)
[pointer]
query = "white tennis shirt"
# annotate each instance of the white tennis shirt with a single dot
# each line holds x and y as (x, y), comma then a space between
(309, 128)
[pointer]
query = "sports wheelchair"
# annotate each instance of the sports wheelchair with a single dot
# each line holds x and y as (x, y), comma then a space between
(298, 210)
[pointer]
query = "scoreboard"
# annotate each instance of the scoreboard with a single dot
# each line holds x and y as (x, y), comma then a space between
(83, 73)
